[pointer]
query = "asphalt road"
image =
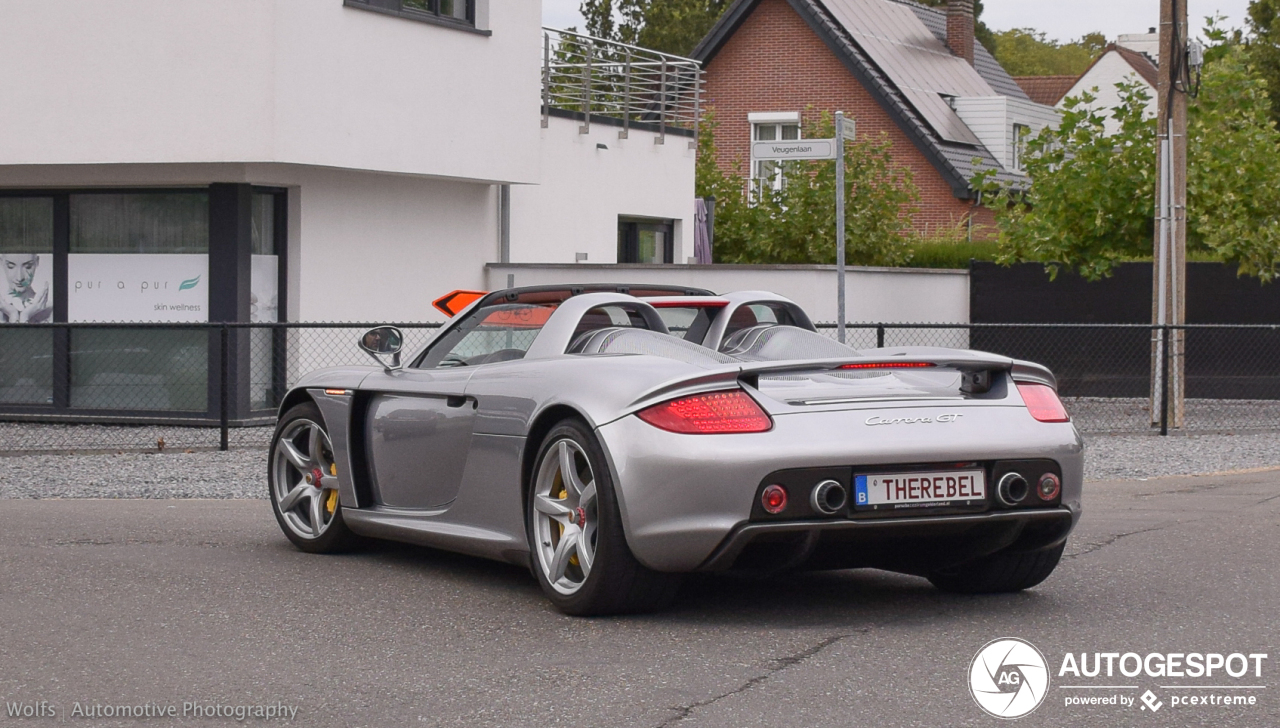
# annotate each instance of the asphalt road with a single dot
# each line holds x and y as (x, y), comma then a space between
(107, 603)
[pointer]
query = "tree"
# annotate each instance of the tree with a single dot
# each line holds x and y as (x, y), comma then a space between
(1089, 205)
(670, 26)
(1091, 200)
(1264, 21)
(1027, 52)
(1233, 167)
(796, 224)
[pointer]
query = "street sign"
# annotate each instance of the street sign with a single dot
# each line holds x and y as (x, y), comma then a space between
(802, 149)
(849, 130)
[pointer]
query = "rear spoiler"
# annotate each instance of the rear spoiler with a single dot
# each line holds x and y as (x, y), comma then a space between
(976, 366)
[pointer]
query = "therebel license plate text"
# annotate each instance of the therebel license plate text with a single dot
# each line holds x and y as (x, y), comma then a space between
(920, 489)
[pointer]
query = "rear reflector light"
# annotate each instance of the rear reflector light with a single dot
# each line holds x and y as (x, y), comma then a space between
(709, 414)
(774, 499)
(1049, 486)
(890, 365)
(1043, 402)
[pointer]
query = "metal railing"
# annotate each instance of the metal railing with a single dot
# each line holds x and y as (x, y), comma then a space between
(637, 87)
(147, 387)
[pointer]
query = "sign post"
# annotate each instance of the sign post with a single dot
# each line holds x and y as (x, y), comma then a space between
(840, 227)
(845, 131)
(820, 149)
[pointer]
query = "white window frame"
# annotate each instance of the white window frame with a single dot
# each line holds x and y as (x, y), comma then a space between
(777, 120)
(1020, 134)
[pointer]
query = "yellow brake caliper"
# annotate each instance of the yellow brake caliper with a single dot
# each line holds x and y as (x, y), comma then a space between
(562, 495)
(331, 503)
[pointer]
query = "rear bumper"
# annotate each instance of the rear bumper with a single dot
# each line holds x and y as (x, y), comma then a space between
(903, 544)
(683, 497)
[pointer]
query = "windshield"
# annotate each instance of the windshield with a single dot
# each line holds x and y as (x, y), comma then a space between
(500, 332)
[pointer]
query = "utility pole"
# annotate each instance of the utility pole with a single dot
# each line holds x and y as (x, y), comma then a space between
(1170, 259)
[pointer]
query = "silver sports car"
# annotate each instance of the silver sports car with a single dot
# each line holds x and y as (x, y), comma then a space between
(613, 438)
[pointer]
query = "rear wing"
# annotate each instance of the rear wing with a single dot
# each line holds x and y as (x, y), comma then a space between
(976, 367)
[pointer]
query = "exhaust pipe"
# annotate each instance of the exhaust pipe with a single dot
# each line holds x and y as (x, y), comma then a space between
(828, 497)
(1012, 488)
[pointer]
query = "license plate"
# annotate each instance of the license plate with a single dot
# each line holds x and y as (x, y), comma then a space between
(884, 491)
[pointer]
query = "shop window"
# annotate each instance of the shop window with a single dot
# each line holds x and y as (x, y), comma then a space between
(645, 241)
(265, 344)
(26, 261)
(139, 257)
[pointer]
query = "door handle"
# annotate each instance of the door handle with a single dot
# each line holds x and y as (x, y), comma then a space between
(457, 401)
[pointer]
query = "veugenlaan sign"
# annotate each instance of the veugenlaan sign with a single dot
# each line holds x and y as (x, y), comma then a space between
(803, 149)
(137, 288)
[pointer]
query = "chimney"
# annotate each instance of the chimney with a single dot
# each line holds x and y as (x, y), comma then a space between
(960, 28)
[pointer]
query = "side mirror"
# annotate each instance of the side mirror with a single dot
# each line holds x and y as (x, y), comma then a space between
(383, 341)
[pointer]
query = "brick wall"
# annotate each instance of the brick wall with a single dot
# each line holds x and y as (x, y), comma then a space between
(775, 62)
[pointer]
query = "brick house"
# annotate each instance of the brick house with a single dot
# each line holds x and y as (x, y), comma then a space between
(895, 66)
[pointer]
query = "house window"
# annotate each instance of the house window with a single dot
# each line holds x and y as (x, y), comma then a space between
(1020, 135)
(447, 12)
(645, 241)
(769, 171)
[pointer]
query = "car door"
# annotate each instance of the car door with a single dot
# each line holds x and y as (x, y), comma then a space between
(418, 433)
(419, 422)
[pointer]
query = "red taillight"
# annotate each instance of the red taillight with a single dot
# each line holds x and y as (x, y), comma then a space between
(1043, 402)
(709, 414)
(890, 365)
(774, 499)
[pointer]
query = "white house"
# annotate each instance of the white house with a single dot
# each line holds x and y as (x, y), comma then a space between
(306, 160)
(1118, 63)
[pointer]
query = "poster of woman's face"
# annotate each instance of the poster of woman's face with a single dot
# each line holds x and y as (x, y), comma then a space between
(27, 293)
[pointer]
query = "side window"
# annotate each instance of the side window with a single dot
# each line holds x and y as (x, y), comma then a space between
(754, 314)
(604, 317)
(764, 314)
(501, 332)
(690, 324)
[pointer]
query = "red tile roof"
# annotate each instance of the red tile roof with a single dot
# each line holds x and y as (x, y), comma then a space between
(1047, 90)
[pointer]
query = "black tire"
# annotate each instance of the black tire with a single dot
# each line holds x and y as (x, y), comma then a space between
(1003, 571)
(616, 583)
(334, 536)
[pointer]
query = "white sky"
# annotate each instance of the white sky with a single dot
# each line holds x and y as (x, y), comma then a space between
(1063, 20)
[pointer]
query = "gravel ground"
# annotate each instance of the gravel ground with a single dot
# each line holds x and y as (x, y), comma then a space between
(231, 474)
(242, 473)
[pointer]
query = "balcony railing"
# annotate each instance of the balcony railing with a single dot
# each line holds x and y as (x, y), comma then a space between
(637, 87)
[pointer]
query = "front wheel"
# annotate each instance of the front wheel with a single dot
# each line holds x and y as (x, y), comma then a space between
(579, 552)
(1003, 571)
(303, 483)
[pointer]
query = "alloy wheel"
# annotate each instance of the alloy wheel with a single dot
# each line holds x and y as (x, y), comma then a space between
(305, 478)
(565, 516)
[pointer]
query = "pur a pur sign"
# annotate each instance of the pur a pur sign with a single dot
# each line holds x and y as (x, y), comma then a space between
(137, 287)
(1010, 678)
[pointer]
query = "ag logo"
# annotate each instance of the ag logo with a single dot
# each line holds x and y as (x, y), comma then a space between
(1008, 678)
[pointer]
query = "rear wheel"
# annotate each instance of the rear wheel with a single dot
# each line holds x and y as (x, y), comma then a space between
(1003, 571)
(303, 483)
(578, 550)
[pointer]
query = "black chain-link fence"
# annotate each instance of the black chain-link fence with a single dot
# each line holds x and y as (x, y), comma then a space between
(1104, 371)
(108, 387)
